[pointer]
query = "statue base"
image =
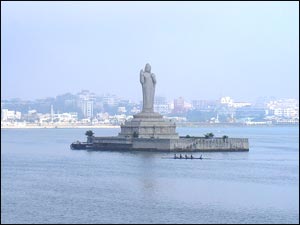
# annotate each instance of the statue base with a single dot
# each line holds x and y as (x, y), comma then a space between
(149, 125)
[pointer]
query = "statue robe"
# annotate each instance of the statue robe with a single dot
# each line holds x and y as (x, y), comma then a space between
(148, 84)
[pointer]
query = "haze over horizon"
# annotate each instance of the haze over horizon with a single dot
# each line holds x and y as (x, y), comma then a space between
(169, 99)
(198, 50)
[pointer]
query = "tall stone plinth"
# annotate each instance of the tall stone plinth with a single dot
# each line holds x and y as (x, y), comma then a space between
(149, 125)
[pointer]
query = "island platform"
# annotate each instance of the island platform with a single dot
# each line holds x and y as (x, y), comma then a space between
(149, 131)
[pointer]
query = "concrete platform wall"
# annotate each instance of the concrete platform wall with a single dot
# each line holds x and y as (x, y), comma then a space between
(210, 144)
(180, 144)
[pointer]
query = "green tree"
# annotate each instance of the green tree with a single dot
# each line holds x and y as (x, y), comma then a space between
(225, 137)
(209, 135)
(89, 133)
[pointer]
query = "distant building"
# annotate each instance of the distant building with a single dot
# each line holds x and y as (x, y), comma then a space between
(161, 105)
(287, 112)
(239, 104)
(179, 105)
(88, 108)
(230, 103)
(10, 115)
(187, 106)
(135, 110)
(32, 116)
(111, 100)
(204, 104)
(86, 101)
(199, 104)
(288, 108)
(162, 109)
(18, 115)
(4, 114)
(122, 110)
(226, 100)
(159, 100)
(52, 113)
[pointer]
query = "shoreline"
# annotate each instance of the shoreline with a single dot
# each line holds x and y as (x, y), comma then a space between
(117, 126)
(58, 127)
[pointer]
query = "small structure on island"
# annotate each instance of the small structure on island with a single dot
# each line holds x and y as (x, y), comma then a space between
(148, 130)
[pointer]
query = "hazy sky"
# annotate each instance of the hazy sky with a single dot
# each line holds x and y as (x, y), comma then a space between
(198, 50)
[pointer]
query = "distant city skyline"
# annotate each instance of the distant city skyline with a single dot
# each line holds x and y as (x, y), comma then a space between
(157, 97)
(198, 50)
(89, 108)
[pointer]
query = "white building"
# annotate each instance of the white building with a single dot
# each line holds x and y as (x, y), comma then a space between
(87, 108)
(86, 103)
(4, 113)
(18, 115)
(288, 108)
(287, 112)
(162, 109)
(226, 100)
(122, 109)
(229, 102)
(10, 115)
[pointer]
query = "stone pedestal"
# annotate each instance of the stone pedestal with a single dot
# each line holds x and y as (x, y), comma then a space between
(149, 125)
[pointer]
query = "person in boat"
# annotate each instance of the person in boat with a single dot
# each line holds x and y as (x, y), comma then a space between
(175, 156)
(192, 157)
(186, 156)
(180, 156)
(200, 157)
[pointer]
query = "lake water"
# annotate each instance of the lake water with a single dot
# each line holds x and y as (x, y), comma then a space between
(43, 181)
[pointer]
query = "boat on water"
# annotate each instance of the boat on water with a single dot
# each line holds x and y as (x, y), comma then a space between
(187, 157)
(77, 145)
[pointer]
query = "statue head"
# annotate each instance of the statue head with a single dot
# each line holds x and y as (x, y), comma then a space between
(148, 68)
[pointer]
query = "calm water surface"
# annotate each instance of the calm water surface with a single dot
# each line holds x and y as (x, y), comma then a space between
(43, 181)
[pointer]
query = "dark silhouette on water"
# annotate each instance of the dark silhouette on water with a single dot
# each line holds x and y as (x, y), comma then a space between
(185, 157)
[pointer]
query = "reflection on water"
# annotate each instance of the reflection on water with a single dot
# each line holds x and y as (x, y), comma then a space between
(43, 181)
